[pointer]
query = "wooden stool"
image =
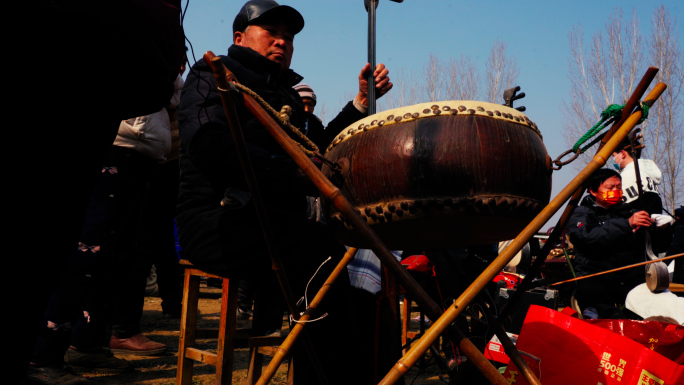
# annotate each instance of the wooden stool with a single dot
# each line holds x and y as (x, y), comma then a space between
(229, 338)
(407, 335)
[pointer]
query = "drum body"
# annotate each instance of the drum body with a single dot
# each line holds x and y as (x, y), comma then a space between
(440, 174)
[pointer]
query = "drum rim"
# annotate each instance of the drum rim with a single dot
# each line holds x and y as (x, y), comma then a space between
(431, 110)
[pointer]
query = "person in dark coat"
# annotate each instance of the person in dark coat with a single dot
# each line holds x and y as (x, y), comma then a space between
(217, 222)
(314, 126)
(677, 246)
(210, 169)
(607, 233)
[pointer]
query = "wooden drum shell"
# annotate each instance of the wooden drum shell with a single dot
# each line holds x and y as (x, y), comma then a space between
(446, 174)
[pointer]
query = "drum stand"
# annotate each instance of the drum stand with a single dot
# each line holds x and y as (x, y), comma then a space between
(444, 320)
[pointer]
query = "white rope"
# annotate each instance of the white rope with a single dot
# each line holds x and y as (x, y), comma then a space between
(305, 299)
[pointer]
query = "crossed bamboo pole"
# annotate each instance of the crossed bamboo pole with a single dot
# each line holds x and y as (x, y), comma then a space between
(507, 254)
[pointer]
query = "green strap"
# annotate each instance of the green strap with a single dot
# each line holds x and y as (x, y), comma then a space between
(593, 142)
(612, 112)
(567, 259)
(644, 112)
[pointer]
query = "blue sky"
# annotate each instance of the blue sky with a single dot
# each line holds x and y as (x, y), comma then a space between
(332, 47)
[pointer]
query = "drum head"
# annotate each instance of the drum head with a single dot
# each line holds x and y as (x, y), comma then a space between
(441, 174)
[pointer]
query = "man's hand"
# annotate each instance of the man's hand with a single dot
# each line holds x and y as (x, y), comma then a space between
(640, 218)
(382, 83)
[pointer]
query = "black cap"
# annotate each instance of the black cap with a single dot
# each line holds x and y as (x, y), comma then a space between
(679, 212)
(256, 10)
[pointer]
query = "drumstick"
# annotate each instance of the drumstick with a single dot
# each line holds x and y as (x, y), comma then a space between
(618, 269)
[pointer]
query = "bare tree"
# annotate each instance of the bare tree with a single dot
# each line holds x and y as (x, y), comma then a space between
(433, 79)
(455, 79)
(580, 110)
(601, 74)
(664, 130)
(625, 52)
(606, 72)
(404, 92)
(322, 112)
(501, 72)
(463, 79)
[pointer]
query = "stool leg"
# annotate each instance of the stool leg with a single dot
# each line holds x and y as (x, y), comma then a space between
(226, 340)
(405, 323)
(290, 372)
(188, 327)
(256, 361)
(389, 346)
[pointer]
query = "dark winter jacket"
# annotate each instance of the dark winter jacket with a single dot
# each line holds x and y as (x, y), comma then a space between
(604, 240)
(210, 167)
(317, 133)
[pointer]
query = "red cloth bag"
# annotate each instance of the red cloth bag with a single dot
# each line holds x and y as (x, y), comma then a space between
(565, 350)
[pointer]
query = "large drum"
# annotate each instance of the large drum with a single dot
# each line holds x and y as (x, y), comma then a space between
(441, 174)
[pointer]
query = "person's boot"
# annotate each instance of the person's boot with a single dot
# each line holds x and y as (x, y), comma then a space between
(52, 374)
(138, 345)
(102, 361)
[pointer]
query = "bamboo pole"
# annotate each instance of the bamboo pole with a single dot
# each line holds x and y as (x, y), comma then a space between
(333, 195)
(299, 326)
(507, 254)
(632, 103)
(619, 269)
(229, 107)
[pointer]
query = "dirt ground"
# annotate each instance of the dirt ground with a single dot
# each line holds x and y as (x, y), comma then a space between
(162, 369)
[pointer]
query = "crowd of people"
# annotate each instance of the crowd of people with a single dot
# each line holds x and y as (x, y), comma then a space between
(81, 87)
(164, 151)
(128, 204)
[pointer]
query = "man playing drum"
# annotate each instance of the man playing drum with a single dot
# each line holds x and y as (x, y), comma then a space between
(217, 223)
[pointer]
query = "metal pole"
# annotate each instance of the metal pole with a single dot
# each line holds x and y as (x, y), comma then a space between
(371, 6)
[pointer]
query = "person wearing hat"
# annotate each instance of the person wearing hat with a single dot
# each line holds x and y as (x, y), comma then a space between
(313, 126)
(650, 175)
(217, 223)
(308, 96)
